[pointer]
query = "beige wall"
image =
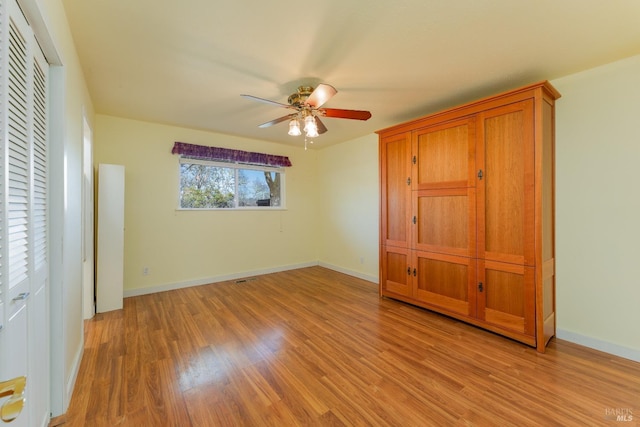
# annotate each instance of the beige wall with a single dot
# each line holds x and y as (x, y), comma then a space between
(598, 207)
(331, 216)
(349, 208)
(193, 247)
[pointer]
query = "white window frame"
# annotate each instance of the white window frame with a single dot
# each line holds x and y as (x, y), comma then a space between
(236, 167)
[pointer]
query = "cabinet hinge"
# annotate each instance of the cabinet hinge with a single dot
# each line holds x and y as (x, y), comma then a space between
(415, 160)
(409, 181)
(480, 287)
(480, 174)
(415, 220)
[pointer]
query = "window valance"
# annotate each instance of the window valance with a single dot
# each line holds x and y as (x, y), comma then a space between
(202, 152)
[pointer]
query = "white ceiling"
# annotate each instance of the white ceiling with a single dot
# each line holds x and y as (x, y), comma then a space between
(186, 62)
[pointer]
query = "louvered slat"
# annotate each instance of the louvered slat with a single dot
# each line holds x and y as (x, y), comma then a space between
(18, 159)
(39, 207)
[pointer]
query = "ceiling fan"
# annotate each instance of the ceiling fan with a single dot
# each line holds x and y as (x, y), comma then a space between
(307, 103)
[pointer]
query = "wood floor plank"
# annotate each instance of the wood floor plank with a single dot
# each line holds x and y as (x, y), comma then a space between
(317, 347)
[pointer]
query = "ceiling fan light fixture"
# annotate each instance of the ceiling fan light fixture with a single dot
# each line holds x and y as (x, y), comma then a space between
(294, 128)
(310, 127)
(312, 133)
(309, 121)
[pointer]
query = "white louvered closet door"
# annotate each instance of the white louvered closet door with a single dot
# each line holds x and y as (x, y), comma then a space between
(24, 344)
(39, 406)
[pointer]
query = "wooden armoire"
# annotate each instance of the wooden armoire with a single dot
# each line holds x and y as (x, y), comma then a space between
(467, 213)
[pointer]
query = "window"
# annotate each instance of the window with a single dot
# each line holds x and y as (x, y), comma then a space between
(217, 185)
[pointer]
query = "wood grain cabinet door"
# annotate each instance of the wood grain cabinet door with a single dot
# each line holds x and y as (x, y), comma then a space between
(506, 298)
(445, 221)
(395, 190)
(443, 155)
(446, 282)
(396, 271)
(505, 184)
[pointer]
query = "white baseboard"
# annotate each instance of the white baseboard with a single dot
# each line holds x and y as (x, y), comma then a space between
(224, 278)
(597, 344)
(215, 279)
(348, 272)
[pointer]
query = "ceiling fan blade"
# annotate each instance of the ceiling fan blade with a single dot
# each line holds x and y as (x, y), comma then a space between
(320, 95)
(346, 114)
(278, 120)
(321, 127)
(266, 101)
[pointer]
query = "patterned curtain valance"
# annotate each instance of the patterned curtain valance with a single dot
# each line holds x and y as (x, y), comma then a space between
(202, 152)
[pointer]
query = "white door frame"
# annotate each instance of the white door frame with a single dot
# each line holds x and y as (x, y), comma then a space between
(88, 277)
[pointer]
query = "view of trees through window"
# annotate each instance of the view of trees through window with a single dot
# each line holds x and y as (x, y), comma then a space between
(215, 186)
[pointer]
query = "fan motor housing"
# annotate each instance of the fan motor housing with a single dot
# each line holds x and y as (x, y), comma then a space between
(297, 99)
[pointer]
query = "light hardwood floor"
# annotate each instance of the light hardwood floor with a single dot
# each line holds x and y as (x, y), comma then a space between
(316, 347)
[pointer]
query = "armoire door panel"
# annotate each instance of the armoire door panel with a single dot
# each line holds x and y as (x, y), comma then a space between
(446, 281)
(445, 221)
(396, 273)
(506, 204)
(507, 298)
(395, 173)
(445, 155)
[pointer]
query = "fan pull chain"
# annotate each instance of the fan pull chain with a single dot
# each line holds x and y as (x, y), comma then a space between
(305, 143)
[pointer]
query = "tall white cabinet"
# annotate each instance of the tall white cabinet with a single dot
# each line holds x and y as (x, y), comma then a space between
(110, 238)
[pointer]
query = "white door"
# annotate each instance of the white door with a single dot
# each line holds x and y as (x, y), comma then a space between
(24, 342)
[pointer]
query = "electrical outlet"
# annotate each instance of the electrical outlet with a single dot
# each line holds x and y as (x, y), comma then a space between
(361, 260)
(145, 271)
